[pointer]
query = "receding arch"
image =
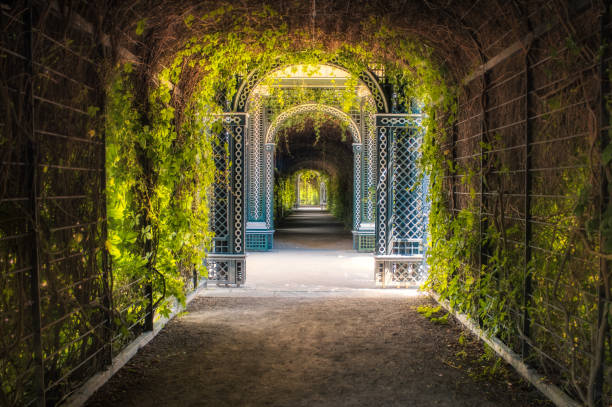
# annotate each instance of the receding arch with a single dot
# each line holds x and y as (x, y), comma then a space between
(313, 107)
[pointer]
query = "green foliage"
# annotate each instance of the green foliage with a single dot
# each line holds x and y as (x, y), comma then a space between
(309, 184)
(340, 198)
(159, 159)
(434, 314)
(284, 196)
(427, 311)
(490, 365)
(156, 200)
(140, 27)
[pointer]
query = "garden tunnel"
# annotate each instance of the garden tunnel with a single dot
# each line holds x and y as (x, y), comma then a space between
(327, 161)
(115, 116)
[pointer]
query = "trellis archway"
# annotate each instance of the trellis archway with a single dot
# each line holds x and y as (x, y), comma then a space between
(389, 206)
(522, 143)
(255, 78)
(260, 223)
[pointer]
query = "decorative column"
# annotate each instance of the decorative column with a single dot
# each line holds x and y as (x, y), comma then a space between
(369, 142)
(226, 262)
(363, 237)
(269, 199)
(357, 160)
(383, 131)
(402, 212)
(260, 182)
(255, 165)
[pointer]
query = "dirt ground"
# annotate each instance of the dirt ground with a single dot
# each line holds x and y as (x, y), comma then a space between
(313, 352)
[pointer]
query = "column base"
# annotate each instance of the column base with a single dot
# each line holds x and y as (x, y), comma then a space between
(259, 240)
(363, 240)
(399, 271)
(226, 269)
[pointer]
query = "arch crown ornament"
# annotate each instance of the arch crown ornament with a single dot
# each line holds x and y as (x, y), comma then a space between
(256, 76)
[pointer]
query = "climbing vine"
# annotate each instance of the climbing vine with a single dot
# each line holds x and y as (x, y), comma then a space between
(156, 193)
(284, 196)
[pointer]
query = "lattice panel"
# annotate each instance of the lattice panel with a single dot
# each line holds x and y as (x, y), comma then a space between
(369, 142)
(228, 204)
(226, 270)
(255, 165)
(218, 271)
(236, 125)
(269, 184)
(382, 191)
(365, 243)
(259, 241)
(358, 177)
(402, 205)
(408, 198)
(407, 247)
(219, 219)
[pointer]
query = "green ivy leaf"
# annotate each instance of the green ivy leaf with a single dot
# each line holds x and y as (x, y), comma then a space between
(140, 26)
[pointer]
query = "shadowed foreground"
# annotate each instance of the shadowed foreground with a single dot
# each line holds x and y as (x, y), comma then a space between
(319, 351)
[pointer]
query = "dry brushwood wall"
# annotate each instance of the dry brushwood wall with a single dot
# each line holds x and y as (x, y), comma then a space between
(517, 150)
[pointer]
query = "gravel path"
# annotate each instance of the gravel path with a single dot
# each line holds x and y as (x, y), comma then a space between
(310, 329)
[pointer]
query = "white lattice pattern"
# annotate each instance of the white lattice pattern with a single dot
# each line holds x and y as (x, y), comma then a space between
(254, 149)
(312, 107)
(381, 245)
(269, 152)
(357, 152)
(369, 136)
(238, 188)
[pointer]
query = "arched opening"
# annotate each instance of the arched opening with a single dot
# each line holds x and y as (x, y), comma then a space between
(308, 189)
(305, 158)
(309, 92)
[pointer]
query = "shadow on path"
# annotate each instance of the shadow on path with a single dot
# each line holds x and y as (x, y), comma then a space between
(312, 229)
(309, 329)
(311, 352)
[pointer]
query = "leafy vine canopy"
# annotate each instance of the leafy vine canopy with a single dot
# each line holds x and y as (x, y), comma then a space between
(207, 54)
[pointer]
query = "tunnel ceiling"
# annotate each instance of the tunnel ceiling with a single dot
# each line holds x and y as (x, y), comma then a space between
(458, 34)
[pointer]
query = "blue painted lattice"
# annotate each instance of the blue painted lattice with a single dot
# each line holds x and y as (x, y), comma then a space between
(402, 206)
(226, 262)
(408, 200)
(219, 220)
